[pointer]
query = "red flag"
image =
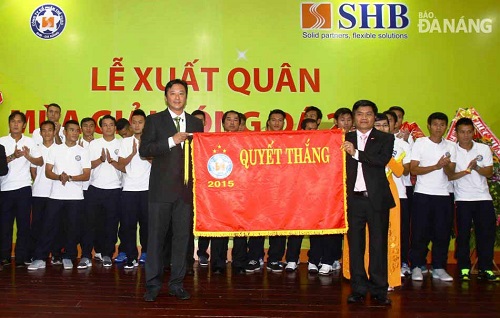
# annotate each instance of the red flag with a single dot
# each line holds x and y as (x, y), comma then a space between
(269, 183)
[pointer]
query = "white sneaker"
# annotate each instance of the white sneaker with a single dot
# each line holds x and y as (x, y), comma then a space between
(336, 266)
(312, 269)
(325, 269)
(441, 274)
(405, 270)
(261, 262)
(98, 257)
(416, 274)
(291, 267)
(84, 263)
(37, 264)
(67, 263)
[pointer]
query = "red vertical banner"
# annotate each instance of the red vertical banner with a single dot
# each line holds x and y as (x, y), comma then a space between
(269, 183)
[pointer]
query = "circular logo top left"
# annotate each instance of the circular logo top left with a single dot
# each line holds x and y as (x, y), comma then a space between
(48, 21)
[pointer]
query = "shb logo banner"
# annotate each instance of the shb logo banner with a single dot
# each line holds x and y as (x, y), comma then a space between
(316, 15)
(48, 21)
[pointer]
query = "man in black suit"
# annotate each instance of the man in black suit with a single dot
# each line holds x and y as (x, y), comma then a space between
(170, 193)
(369, 200)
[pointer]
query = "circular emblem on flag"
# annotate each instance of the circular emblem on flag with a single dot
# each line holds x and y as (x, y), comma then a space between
(78, 158)
(48, 21)
(220, 166)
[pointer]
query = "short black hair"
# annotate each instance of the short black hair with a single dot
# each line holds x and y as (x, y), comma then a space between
(437, 115)
(176, 81)
(397, 108)
(15, 113)
(316, 109)
(364, 102)
(305, 121)
(198, 112)
(121, 123)
(48, 122)
(464, 121)
(138, 112)
(86, 119)
(70, 122)
(242, 117)
(231, 112)
(381, 116)
(54, 105)
(341, 111)
(107, 117)
(276, 111)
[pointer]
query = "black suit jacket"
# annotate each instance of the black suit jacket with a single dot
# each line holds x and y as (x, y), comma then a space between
(377, 153)
(166, 182)
(4, 168)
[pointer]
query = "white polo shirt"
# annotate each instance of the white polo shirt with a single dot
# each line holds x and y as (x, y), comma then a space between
(19, 169)
(85, 145)
(472, 187)
(428, 153)
(71, 160)
(105, 176)
(137, 171)
(401, 153)
(42, 185)
(37, 137)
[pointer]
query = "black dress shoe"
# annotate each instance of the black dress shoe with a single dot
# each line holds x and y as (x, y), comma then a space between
(150, 295)
(355, 298)
(180, 293)
(382, 300)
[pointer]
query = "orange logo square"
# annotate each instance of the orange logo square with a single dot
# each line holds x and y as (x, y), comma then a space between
(316, 15)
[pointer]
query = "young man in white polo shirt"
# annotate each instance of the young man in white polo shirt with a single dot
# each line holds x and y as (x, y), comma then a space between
(16, 190)
(474, 202)
(41, 185)
(432, 161)
(134, 197)
(68, 165)
(53, 115)
(103, 196)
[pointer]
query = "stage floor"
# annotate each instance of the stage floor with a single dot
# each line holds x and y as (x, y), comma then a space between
(115, 292)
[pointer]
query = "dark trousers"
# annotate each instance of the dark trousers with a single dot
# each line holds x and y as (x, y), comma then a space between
(38, 211)
(256, 247)
(360, 212)
(16, 205)
(293, 248)
(203, 243)
(218, 252)
(239, 252)
(134, 210)
(277, 245)
(405, 229)
(430, 221)
(482, 215)
(315, 249)
(163, 216)
(325, 248)
(60, 213)
(101, 221)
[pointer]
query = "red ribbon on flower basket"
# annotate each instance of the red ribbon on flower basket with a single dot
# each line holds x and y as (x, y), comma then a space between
(482, 130)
